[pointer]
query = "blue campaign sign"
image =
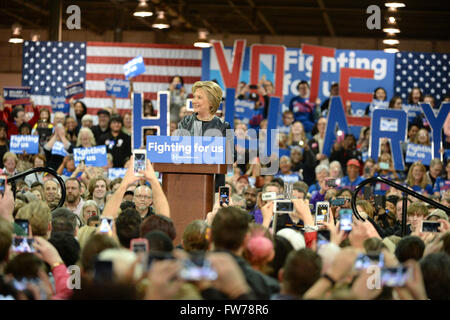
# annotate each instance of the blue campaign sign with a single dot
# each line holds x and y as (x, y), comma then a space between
(186, 149)
(59, 104)
(74, 90)
(21, 144)
(16, 95)
(117, 87)
(114, 173)
(58, 149)
(244, 110)
(134, 67)
(417, 152)
(93, 156)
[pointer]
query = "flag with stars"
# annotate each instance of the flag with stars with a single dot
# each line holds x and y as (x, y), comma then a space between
(427, 71)
(48, 67)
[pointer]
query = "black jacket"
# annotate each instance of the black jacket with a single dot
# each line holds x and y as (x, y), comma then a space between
(193, 127)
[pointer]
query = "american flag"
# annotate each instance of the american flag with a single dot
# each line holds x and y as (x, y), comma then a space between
(428, 71)
(48, 67)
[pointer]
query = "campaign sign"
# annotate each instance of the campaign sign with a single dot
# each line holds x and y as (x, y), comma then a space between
(114, 173)
(16, 95)
(134, 67)
(417, 152)
(117, 87)
(93, 156)
(186, 149)
(58, 149)
(59, 104)
(244, 110)
(21, 144)
(74, 90)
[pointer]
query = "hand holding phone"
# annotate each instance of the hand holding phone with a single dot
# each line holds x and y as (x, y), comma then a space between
(3, 181)
(24, 225)
(430, 226)
(345, 219)
(224, 196)
(23, 244)
(139, 245)
(106, 226)
(139, 162)
(322, 212)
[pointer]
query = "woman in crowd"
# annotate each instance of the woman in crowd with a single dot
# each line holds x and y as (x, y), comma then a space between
(316, 143)
(379, 101)
(85, 139)
(297, 135)
(38, 161)
(178, 96)
(89, 209)
(395, 103)
(422, 138)
(71, 129)
(127, 123)
(417, 179)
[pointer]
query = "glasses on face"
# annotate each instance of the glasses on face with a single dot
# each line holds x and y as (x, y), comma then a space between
(142, 196)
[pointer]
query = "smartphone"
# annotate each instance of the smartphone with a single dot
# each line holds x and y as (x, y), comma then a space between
(322, 212)
(331, 183)
(283, 206)
(224, 195)
(139, 245)
(197, 268)
(395, 277)
(24, 225)
(345, 219)
(323, 237)
(106, 226)
(384, 165)
(364, 261)
(430, 226)
(380, 201)
(338, 202)
(23, 244)
(139, 161)
(103, 271)
(3, 181)
(269, 196)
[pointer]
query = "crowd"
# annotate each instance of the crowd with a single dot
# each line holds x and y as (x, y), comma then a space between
(115, 239)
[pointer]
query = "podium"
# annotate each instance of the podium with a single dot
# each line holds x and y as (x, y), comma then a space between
(189, 188)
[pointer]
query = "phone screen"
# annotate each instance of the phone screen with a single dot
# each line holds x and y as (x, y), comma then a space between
(24, 225)
(394, 277)
(103, 271)
(364, 261)
(197, 269)
(139, 247)
(106, 226)
(23, 244)
(430, 226)
(139, 162)
(322, 213)
(384, 166)
(224, 195)
(323, 237)
(345, 221)
(285, 206)
(2, 184)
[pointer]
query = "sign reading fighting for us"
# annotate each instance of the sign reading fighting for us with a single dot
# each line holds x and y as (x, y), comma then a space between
(93, 156)
(21, 144)
(114, 173)
(74, 90)
(117, 87)
(417, 152)
(134, 67)
(16, 95)
(186, 149)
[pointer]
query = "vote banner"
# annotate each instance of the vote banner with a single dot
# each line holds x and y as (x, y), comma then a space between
(417, 152)
(186, 149)
(58, 149)
(74, 90)
(117, 87)
(20, 144)
(16, 95)
(93, 156)
(114, 173)
(134, 67)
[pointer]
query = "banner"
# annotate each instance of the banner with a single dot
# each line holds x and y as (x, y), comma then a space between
(244, 110)
(17, 95)
(59, 104)
(134, 67)
(417, 152)
(21, 144)
(93, 156)
(117, 87)
(114, 173)
(58, 149)
(74, 90)
(186, 149)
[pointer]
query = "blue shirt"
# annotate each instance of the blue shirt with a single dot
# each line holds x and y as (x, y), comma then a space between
(380, 189)
(303, 111)
(441, 185)
(346, 183)
(418, 189)
(289, 178)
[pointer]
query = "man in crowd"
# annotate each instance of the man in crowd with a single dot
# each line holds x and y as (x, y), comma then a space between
(352, 179)
(143, 200)
(74, 202)
(102, 129)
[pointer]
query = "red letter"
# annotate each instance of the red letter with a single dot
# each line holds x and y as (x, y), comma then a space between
(344, 80)
(317, 52)
(278, 52)
(230, 78)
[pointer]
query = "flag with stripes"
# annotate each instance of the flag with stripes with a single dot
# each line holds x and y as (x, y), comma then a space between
(48, 67)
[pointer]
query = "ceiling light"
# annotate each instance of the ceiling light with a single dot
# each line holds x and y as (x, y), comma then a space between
(202, 41)
(391, 41)
(391, 50)
(35, 37)
(143, 10)
(391, 30)
(395, 4)
(161, 21)
(391, 20)
(16, 34)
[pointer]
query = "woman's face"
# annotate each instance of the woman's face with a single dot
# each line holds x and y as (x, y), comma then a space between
(285, 166)
(417, 174)
(10, 164)
(37, 194)
(380, 94)
(25, 131)
(398, 103)
(85, 140)
(322, 175)
(423, 136)
(38, 162)
(2, 133)
(200, 102)
(391, 207)
(335, 171)
(71, 124)
(70, 165)
(295, 156)
(44, 115)
(412, 132)
(100, 189)
(321, 125)
(297, 128)
(89, 211)
(78, 109)
(127, 121)
(415, 96)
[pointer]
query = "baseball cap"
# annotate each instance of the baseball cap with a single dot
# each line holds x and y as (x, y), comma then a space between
(103, 111)
(353, 162)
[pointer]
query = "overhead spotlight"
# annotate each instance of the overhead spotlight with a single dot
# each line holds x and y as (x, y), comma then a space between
(16, 34)
(391, 20)
(202, 41)
(143, 9)
(161, 22)
(391, 42)
(391, 50)
(395, 5)
(391, 30)
(35, 37)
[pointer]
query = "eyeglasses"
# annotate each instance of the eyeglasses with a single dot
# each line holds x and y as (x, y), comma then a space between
(142, 196)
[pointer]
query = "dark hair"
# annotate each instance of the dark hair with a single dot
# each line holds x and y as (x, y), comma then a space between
(159, 241)
(127, 204)
(67, 246)
(409, 247)
(127, 226)
(195, 236)
(302, 82)
(180, 77)
(301, 270)
(64, 220)
(158, 222)
(82, 105)
(392, 101)
(229, 227)
(341, 191)
(410, 95)
(24, 265)
(25, 125)
(282, 248)
(436, 275)
(106, 290)
(375, 91)
(278, 181)
(96, 244)
(16, 110)
(74, 179)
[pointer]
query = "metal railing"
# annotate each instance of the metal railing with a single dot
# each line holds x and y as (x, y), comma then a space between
(405, 191)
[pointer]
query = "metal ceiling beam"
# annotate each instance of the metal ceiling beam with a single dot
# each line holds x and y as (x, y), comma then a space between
(326, 17)
(239, 12)
(262, 17)
(121, 7)
(20, 19)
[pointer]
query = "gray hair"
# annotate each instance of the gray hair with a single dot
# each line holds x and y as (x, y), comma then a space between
(322, 167)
